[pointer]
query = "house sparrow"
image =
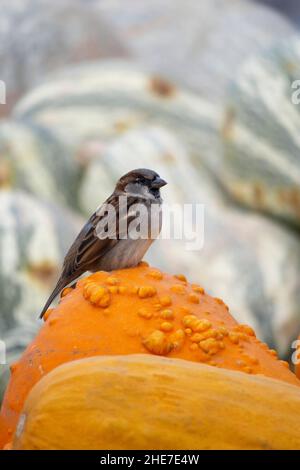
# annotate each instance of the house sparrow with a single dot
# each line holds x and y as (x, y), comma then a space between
(110, 239)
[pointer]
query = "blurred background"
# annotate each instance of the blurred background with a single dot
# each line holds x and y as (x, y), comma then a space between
(200, 92)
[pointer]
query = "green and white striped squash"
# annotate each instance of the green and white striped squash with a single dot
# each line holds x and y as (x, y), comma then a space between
(200, 43)
(261, 165)
(32, 159)
(4, 378)
(34, 237)
(39, 37)
(104, 99)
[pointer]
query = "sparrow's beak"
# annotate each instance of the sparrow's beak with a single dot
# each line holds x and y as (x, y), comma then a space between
(158, 182)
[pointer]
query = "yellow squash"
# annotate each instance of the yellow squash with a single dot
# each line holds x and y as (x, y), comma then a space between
(153, 402)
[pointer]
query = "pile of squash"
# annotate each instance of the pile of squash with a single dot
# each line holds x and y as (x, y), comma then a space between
(141, 359)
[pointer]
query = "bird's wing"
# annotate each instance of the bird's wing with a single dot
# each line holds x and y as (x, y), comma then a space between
(94, 240)
(86, 249)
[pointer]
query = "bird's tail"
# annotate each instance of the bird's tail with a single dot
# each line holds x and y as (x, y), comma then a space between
(59, 286)
(61, 283)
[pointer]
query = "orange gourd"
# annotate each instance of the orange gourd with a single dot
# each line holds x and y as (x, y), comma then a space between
(138, 310)
(152, 402)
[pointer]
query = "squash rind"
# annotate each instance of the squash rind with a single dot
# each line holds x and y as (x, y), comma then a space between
(150, 402)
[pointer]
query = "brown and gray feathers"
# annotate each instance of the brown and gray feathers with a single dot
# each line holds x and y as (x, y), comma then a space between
(93, 250)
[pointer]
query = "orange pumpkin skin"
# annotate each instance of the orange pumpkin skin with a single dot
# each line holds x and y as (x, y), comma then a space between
(137, 310)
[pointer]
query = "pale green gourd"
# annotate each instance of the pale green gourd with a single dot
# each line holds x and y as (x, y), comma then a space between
(261, 164)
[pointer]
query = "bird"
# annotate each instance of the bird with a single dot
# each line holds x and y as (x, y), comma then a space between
(106, 241)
